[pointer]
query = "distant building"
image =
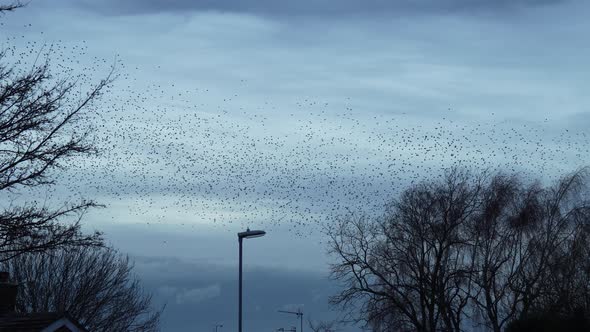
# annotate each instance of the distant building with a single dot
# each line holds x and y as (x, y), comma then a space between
(11, 321)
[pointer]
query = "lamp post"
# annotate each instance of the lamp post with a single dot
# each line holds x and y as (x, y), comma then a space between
(298, 313)
(248, 234)
(218, 325)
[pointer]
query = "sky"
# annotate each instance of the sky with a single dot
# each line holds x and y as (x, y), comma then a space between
(282, 116)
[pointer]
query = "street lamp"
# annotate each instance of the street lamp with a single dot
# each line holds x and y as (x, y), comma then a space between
(248, 234)
(218, 325)
(298, 313)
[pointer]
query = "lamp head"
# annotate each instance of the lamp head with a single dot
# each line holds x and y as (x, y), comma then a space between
(248, 234)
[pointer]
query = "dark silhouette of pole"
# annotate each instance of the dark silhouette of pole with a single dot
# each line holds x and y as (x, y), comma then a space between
(298, 313)
(240, 288)
(218, 325)
(244, 235)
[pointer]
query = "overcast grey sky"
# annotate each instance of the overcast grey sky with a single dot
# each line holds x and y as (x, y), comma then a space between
(283, 114)
(323, 8)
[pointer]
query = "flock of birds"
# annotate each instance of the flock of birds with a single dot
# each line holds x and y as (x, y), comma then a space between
(171, 154)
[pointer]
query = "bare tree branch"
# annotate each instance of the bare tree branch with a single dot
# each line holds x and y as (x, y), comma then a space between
(93, 284)
(42, 128)
(487, 248)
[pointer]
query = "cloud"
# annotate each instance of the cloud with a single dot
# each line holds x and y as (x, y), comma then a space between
(521, 68)
(167, 291)
(305, 7)
(197, 295)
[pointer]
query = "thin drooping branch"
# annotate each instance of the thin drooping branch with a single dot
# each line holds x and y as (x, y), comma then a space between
(11, 6)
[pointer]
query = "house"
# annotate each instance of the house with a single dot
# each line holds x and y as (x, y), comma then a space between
(11, 321)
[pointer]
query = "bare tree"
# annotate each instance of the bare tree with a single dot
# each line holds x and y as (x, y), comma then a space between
(489, 248)
(322, 326)
(42, 127)
(95, 285)
(410, 269)
(531, 254)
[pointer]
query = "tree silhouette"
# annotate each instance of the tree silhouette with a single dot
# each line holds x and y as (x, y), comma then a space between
(94, 285)
(487, 249)
(323, 326)
(41, 128)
